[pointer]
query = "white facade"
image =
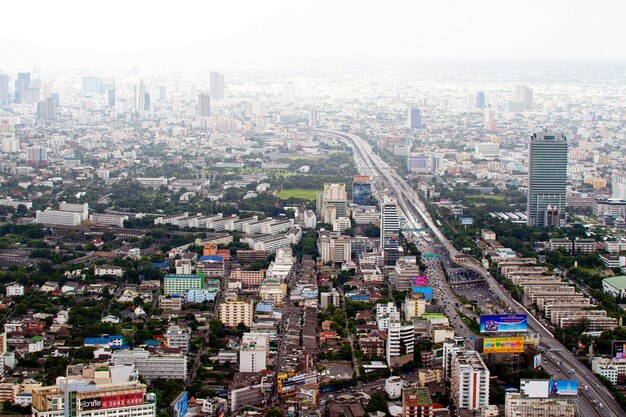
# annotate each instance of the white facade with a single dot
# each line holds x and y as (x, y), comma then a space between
(393, 387)
(115, 271)
(58, 217)
(178, 337)
(14, 290)
(400, 339)
(470, 381)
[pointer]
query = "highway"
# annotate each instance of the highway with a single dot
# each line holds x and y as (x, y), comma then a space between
(413, 209)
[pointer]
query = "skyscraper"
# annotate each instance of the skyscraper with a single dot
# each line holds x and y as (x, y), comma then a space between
(47, 109)
(217, 85)
(4, 90)
(547, 178)
(90, 86)
(204, 105)
(361, 190)
(480, 100)
(389, 231)
(111, 97)
(524, 94)
(415, 118)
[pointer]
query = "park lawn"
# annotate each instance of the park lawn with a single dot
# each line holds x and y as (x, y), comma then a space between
(486, 197)
(297, 193)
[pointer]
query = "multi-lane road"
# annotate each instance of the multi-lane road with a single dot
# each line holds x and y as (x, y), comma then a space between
(592, 392)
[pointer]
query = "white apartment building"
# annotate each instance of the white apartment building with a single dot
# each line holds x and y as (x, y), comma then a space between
(83, 209)
(151, 367)
(58, 217)
(116, 220)
(335, 249)
(253, 352)
(470, 381)
(177, 337)
(14, 290)
(115, 271)
(400, 342)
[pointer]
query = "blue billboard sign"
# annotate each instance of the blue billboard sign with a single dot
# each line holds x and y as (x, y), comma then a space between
(563, 387)
(427, 291)
(503, 323)
(468, 221)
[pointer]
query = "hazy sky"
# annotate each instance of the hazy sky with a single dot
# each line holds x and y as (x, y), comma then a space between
(221, 34)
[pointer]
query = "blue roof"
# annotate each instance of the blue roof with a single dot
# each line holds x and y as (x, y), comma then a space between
(211, 258)
(96, 341)
(152, 343)
(115, 337)
(264, 307)
(160, 264)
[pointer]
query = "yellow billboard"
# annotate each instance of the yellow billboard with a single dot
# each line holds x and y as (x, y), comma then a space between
(503, 345)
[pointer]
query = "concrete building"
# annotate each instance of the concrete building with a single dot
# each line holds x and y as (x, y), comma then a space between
(152, 366)
(253, 353)
(547, 178)
(615, 286)
(178, 338)
(334, 248)
(179, 284)
(94, 393)
(58, 217)
(14, 290)
(400, 342)
(234, 312)
(390, 231)
(470, 381)
(416, 402)
(393, 387)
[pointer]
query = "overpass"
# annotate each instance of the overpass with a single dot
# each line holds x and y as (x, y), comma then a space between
(414, 209)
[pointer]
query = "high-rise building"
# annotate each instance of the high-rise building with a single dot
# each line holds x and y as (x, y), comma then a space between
(4, 90)
(90, 86)
(204, 105)
(111, 97)
(47, 109)
(89, 391)
(524, 94)
(334, 196)
(547, 178)
(361, 190)
(416, 402)
(470, 381)
(490, 123)
(400, 342)
(217, 85)
(480, 100)
(253, 352)
(37, 156)
(618, 186)
(415, 118)
(390, 231)
(139, 95)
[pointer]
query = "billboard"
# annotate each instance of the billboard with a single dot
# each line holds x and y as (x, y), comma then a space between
(563, 387)
(500, 323)
(291, 383)
(180, 405)
(619, 349)
(503, 345)
(427, 291)
(535, 388)
(420, 281)
(111, 401)
(468, 221)
(537, 361)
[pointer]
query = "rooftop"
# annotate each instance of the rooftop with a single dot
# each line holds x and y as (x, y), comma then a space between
(618, 282)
